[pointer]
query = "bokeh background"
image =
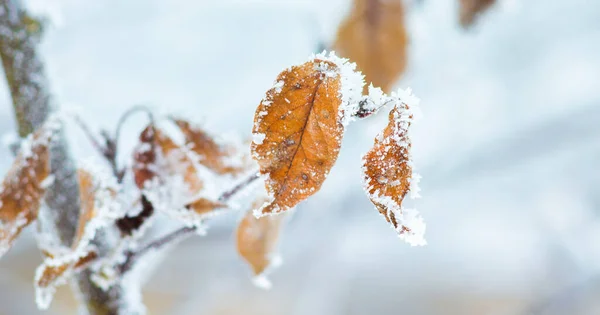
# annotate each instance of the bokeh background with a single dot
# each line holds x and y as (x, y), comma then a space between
(508, 146)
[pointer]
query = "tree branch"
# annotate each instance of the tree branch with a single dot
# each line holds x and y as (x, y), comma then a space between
(24, 71)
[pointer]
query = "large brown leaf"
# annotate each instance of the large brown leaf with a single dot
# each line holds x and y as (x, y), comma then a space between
(297, 133)
(471, 9)
(219, 157)
(388, 175)
(375, 38)
(256, 240)
(22, 190)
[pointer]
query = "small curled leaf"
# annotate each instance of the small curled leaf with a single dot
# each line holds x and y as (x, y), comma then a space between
(388, 175)
(374, 36)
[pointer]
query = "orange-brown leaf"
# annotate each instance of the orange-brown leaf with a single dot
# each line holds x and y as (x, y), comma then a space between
(158, 155)
(87, 197)
(178, 161)
(374, 36)
(297, 132)
(204, 206)
(216, 156)
(21, 191)
(471, 9)
(256, 240)
(50, 273)
(388, 175)
(144, 157)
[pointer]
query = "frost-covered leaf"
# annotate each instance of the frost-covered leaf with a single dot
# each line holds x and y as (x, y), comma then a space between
(388, 172)
(144, 157)
(23, 187)
(178, 162)
(374, 36)
(171, 179)
(222, 158)
(298, 128)
(256, 241)
(470, 10)
(99, 208)
(56, 271)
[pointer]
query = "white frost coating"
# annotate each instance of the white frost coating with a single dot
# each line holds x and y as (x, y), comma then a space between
(278, 86)
(412, 220)
(261, 281)
(47, 182)
(44, 295)
(258, 138)
(352, 83)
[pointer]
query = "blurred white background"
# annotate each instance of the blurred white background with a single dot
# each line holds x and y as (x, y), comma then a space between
(508, 146)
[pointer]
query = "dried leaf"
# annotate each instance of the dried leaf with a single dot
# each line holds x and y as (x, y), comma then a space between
(98, 209)
(178, 162)
(54, 272)
(144, 158)
(221, 158)
(87, 198)
(374, 36)
(297, 132)
(130, 224)
(23, 188)
(388, 175)
(471, 9)
(257, 240)
(204, 206)
(50, 273)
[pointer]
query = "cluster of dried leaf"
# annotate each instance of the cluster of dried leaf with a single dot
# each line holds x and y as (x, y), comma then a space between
(297, 135)
(180, 171)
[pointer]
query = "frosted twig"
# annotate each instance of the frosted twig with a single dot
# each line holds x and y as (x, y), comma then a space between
(180, 233)
(133, 257)
(127, 114)
(227, 195)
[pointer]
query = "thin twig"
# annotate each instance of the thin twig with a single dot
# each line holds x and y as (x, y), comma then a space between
(177, 235)
(133, 257)
(127, 114)
(86, 130)
(227, 195)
